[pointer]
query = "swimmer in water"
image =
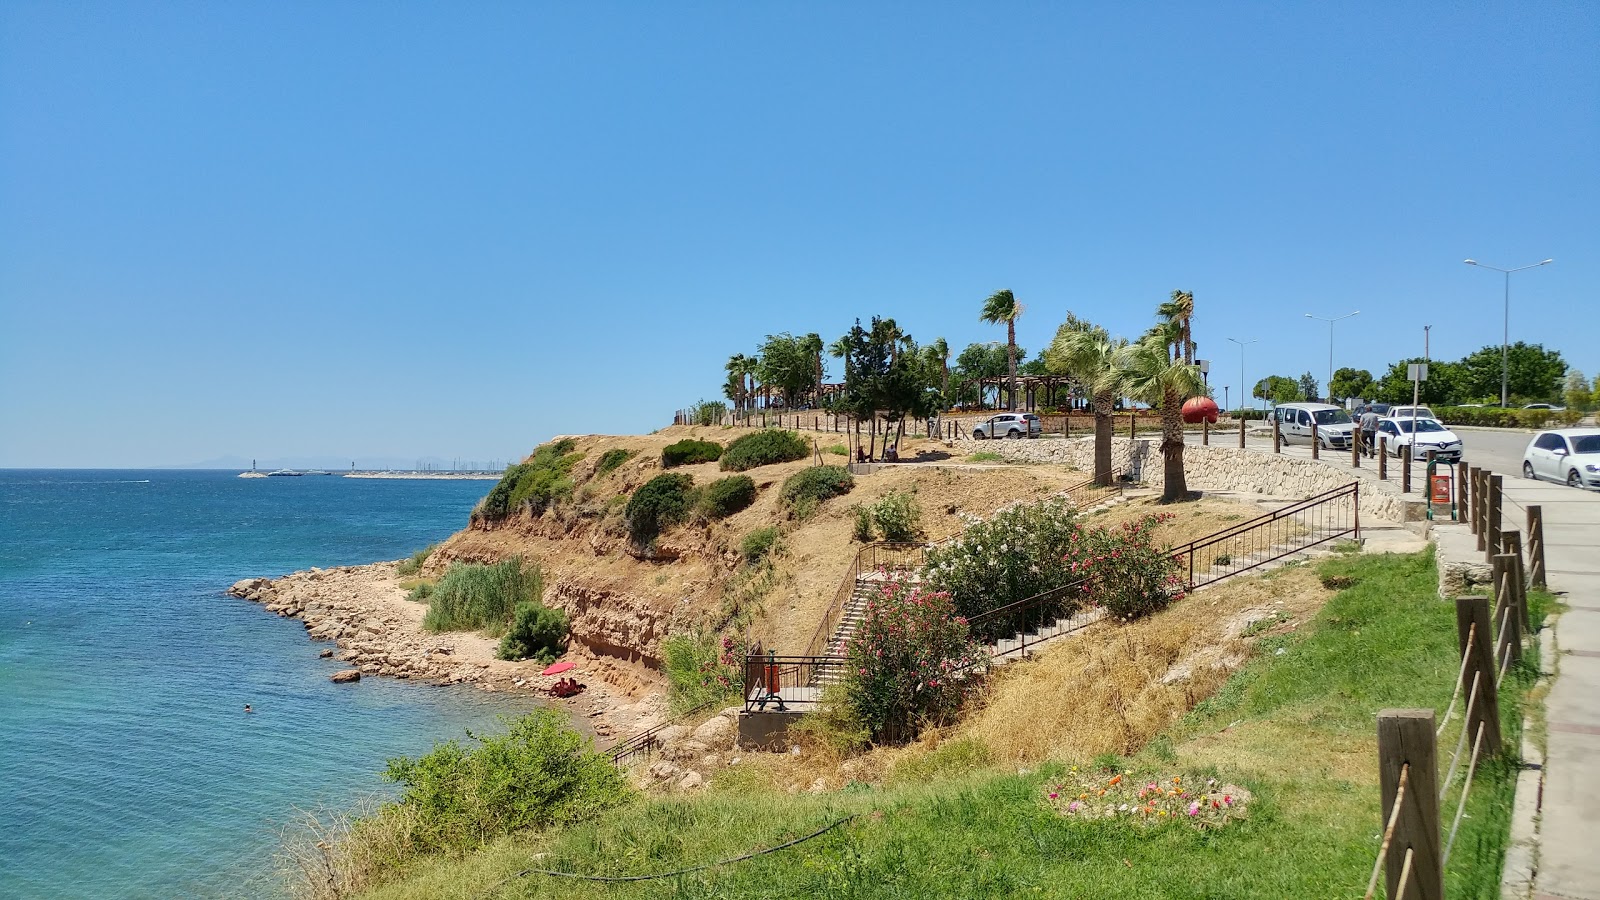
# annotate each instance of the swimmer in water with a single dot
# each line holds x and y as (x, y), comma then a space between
(247, 708)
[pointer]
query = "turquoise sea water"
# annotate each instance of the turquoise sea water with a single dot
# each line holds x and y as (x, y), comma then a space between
(128, 767)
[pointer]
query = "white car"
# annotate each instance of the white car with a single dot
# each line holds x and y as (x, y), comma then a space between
(1009, 425)
(1571, 455)
(1420, 435)
(1407, 412)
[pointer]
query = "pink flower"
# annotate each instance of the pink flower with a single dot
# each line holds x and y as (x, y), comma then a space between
(1054, 795)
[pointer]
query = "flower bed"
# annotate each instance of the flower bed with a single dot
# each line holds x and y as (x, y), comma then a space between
(1148, 801)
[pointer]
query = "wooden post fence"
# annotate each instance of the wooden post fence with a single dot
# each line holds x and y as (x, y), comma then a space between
(1241, 432)
(1536, 574)
(1405, 470)
(1475, 638)
(1408, 757)
(1461, 491)
(1355, 448)
(1491, 517)
(1277, 437)
(1508, 648)
(1383, 457)
(1133, 425)
(1205, 432)
(1316, 444)
(1519, 578)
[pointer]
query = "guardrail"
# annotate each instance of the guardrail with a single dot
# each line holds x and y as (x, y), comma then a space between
(787, 682)
(1316, 520)
(647, 742)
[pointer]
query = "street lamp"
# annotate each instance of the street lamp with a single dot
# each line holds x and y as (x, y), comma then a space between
(1329, 390)
(1505, 333)
(1243, 395)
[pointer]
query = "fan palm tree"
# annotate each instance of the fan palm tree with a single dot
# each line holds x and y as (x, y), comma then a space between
(1088, 354)
(1151, 374)
(739, 366)
(1002, 306)
(1180, 311)
(941, 350)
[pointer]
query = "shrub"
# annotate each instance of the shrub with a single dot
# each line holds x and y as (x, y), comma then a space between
(898, 516)
(421, 592)
(1124, 571)
(537, 483)
(760, 543)
(413, 564)
(538, 774)
(709, 412)
(610, 460)
(762, 448)
(662, 501)
(726, 496)
(862, 530)
(701, 669)
(803, 490)
(688, 452)
(905, 660)
(472, 595)
(537, 632)
(837, 450)
(1019, 552)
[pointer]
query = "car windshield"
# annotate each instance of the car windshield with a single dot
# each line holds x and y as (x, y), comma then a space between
(1332, 417)
(1421, 424)
(1586, 443)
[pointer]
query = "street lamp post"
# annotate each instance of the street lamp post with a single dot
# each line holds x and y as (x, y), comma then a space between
(1505, 332)
(1329, 390)
(1243, 395)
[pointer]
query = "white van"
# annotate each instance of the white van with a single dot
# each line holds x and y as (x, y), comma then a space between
(1333, 424)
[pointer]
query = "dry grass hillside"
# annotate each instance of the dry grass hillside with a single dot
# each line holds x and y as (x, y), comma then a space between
(623, 604)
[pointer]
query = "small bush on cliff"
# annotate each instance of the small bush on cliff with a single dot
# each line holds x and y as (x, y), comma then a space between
(610, 460)
(538, 774)
(760, 543)
(804, 490)
(537, 632)
(1125, 571)
(896, 515)
(413, 564)
(701, 669)
(472, 595)
(688, 452)
(536, 484)
(763, 448)
(726, 496)
(658, 503)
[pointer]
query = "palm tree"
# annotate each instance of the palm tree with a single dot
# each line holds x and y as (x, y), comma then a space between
(738, 367)
(941, 351)
(1180, 310)
(813, 345)
(1002, 306)
(1152, 374)
(1088, 353)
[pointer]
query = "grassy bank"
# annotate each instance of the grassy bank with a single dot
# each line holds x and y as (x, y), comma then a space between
(1294, 727)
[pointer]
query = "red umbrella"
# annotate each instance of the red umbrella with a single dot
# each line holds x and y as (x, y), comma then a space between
(556, 668)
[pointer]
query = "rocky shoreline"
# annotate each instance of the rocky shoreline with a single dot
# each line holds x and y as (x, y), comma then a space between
(364, 612)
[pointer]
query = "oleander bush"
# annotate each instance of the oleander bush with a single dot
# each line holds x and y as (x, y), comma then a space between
(537, 632)
(907, 661)
(534, 484)
(690, 451)
(474, 595)
(898, 516)
(701, 669)
(805, 490)
(763, 448)
(1017, 553)
(726, 496)
(659, 503)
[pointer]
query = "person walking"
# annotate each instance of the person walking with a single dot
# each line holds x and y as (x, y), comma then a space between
(1369, 430)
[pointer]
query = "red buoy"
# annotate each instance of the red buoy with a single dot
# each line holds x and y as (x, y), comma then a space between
(1200, 409)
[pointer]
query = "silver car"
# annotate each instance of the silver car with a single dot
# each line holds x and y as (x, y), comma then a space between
(1571, 455)
(1009, 425)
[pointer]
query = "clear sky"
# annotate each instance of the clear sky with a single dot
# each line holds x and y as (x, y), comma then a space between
(375, 229)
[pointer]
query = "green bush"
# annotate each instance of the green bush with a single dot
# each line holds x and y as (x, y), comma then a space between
(763, 448)
(760, 543)
(421, 592)
(472, 595)
(688, 452)
(726, 496)
(906, 659)
(837, 450)
(898, 516)
(804, 490)
(537, 632)
(1495, 417)
(538, 774)
(610, 460)
(537, 483)
(709, 412)
(662, 501)
(862, 529)
(701, 669)
(413, 564)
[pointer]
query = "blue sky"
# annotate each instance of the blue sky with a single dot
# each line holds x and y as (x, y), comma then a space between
(364, 229)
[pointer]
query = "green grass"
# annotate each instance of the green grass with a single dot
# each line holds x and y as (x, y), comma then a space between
(985, 456)
(472, 596)
(1296, 728)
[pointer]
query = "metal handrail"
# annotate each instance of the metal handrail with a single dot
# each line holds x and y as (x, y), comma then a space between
(866, 559)
(645, 741)
(1273, 551)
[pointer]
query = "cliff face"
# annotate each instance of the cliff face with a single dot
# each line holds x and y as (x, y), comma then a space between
(623, 603)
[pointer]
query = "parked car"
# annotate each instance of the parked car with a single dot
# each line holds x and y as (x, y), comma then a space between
(1407, 412)
(1550, 406)
(1571, 455)
(1333, 424)
(1009, 425)
(1419, 435)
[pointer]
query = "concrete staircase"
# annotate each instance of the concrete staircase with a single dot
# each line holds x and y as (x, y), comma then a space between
(867, 587)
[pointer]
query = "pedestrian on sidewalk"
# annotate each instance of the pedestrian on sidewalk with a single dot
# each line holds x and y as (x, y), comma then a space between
(1369, 430)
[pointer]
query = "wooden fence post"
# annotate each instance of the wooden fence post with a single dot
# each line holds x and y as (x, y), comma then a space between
(1461, 492)
(1505, 608)
(1519, 578)
(1406, 741)
(1477, 504)
(1133, 425)
(1277, 437)
(1472, 617)
(1383, 457)
(1405, 470)
(1536, 547)
(1205, 432)
(1355, 448)
(1241, 431)
(1491, 513)
(1316, 443)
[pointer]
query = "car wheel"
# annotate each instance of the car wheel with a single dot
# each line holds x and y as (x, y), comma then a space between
(978, 435)
(1527, 469)
(1013, 435)
(1574, 479)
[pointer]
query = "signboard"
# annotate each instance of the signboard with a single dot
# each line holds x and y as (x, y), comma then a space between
(1416, 371)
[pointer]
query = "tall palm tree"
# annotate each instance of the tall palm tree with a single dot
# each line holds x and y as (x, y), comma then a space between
(940, 349)
(1088, 353)
(1151, 374)
(1180, 310)
(813, 345)
(739, 366)
(1002, 306)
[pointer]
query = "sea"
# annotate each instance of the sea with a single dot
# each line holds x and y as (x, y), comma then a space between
(128, 766)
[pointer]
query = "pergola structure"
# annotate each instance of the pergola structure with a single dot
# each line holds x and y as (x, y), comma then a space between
(1034, 390)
